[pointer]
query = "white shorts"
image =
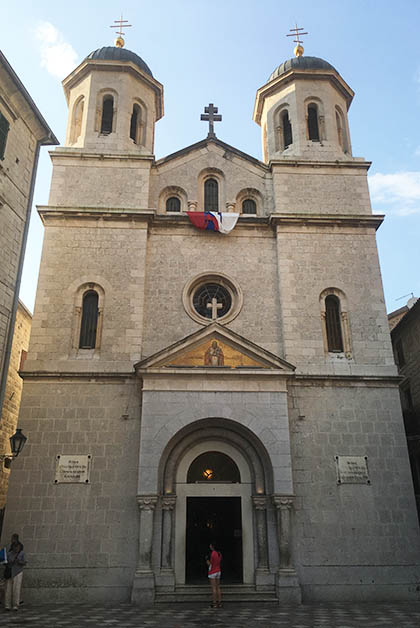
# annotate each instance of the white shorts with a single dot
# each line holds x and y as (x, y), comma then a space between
(215, 575)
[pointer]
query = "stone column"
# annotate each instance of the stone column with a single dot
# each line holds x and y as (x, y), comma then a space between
(168, 504)
(260, 507)
(288, 588)
(144, 583)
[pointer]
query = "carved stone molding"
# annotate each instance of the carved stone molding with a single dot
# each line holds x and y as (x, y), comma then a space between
(259, 502)
(146, 502)
(168, 502)
(283, 502)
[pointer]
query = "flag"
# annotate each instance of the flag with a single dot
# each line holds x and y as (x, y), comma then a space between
(214, 221)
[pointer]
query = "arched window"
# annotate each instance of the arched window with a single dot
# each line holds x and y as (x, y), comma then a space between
(89, 323)
(333, 324)
(173, 204)
(213, 466)
(211, 195)
(77, 120)
(287, 130)
(249, 206)
(107, 115)
(135, 119)
(313, 126)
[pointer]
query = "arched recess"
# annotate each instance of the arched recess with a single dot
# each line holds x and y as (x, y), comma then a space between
(315, 120)
(283, 128)
(77, 119)
(225, 430)
(216, 175)
(336, 298)
(252, 194)
(82, 290)
(138, 122)
(342, 133)
(169, 192)
(256, 479)
(104, 96)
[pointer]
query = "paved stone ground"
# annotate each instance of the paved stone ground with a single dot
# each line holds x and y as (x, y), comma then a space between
(232, 615)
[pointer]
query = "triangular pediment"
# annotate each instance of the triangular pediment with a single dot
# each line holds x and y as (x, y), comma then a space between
(212, 144)
(214, 348)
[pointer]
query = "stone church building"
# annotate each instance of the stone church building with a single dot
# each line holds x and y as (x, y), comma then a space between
(184, 386)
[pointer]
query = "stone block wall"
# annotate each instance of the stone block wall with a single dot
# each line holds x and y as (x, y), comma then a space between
(351, 539)
(81, 539)
(13, 394)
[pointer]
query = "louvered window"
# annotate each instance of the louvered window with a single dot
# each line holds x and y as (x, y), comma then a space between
(173, 204)
(211, 195)
(249, 206)
(287, 129)
(4, 130)
(333, 324)
(313, 128)
(89, 322)
(107, 115)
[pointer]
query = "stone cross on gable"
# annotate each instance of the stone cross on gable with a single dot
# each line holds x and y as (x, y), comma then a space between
(209, 115)
(214, 306)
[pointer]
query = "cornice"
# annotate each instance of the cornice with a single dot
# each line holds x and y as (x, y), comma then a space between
(79, 376)
(81, 153)
(327, 220)
(356, 163)
(47, 212)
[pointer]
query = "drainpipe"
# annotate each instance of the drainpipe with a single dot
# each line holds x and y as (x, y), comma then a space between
(12, 320)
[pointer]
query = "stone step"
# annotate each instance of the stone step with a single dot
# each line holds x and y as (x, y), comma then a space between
(230, 593)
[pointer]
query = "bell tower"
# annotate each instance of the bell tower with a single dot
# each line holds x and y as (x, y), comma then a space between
(302, 110)
(114, 102)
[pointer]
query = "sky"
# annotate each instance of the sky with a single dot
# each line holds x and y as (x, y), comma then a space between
(222, 51)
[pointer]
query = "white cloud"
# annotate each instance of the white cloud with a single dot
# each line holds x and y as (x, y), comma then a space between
(57, 56)
(398, 193)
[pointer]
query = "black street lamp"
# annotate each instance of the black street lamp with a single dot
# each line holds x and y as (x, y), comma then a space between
(17, 443)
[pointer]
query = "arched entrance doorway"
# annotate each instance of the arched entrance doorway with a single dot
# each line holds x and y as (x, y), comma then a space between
(228, 507)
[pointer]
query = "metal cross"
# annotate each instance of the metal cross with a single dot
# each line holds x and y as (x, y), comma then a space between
(209, 116)
(120, 24)
(294, 32)
(214, 306)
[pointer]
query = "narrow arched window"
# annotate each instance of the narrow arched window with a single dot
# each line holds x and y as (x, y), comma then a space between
(341, 131)
(135, 118)
(89, 324)
(333, 324)
(249, 206)
(107, 115)
(211, 196)
(173, 204)
(313, 127)
(287, 129)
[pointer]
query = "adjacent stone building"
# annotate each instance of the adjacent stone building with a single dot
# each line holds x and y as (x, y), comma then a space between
(23, 131)
(405, 337)
(13, 394)
(184, 386)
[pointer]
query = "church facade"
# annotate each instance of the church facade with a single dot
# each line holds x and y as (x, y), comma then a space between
(184, 386)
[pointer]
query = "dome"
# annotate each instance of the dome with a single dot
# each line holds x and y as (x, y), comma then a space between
(301, 63)
(112, 53)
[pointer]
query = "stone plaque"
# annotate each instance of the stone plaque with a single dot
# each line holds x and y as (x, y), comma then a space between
(352, 470)
(72, 469)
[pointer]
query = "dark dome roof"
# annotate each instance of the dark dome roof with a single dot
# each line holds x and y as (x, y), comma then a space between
(112, 53)
(301, 63)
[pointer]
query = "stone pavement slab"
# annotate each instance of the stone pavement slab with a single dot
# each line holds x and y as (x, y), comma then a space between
(362, 615)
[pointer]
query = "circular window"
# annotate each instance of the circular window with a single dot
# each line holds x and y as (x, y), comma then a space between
(212, 300)
(211, 297)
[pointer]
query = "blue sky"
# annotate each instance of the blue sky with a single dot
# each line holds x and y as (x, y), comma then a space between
(222, 51)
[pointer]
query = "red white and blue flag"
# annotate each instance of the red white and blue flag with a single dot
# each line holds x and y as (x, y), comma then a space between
(214, 221)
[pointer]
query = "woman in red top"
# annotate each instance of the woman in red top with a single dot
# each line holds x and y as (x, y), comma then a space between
(215, 571)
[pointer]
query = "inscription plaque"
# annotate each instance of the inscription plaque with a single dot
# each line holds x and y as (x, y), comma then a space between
(72, 469)
(352, 470)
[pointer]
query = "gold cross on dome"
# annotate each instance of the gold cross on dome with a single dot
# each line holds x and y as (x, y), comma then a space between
(296, 32)
(119, 42)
